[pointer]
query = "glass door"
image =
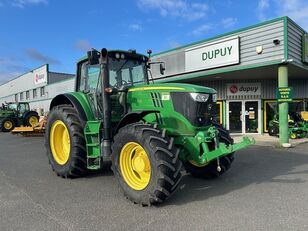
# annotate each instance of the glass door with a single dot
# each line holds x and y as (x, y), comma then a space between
(251, 117)
(235, 117)
(244, 116)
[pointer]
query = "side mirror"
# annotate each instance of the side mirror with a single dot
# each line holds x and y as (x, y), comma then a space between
(162, 68)
(93, 57)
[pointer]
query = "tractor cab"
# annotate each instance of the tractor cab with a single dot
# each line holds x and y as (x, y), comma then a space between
(19, 107)
(121, 70)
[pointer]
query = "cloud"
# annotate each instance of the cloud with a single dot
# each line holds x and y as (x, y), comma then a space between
(263, 6)
(24, 3)
(175, 8)
(10, 68)
(201, 30)
(34, 54)
(135, 27)
(295, 9)
(83, 45)
(228, 22)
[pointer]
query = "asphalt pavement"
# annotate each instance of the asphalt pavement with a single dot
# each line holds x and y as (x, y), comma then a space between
(265, 189)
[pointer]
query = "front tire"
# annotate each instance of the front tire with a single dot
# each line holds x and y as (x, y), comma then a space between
(65, 142)
(7, 125)
(145, 163)
(209, 171)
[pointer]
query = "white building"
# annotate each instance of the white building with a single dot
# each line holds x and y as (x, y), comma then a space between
(37, 87)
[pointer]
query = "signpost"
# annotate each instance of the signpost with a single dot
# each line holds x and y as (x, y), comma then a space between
(284, 94)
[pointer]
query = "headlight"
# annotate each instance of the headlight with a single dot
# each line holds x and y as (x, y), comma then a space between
(214, 97)
(199, 97)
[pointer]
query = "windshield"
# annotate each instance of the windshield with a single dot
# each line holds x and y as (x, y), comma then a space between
(12, 106)
(126, 72)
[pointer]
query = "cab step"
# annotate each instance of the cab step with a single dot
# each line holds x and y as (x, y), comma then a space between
(92, 135)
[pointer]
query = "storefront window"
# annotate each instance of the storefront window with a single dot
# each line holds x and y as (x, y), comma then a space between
(218, 112)
(271, 108)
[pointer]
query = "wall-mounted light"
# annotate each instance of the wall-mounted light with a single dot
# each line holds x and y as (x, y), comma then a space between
(259, 49)
(276, 41)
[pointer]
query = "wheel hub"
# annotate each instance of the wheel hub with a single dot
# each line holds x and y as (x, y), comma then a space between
(8, 125)
(60, 142)
(33, 121)
(135, 166)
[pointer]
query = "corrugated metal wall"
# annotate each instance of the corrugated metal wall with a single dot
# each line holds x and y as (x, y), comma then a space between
(249, 40)
(60, 88)
(295, 43)
(268, 88)
(54, 77)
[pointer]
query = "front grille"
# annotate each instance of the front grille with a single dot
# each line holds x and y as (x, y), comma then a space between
(156, 98)
(197, 113)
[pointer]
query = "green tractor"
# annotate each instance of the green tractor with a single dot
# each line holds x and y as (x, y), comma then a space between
(17, 114)
(298, 127)
(147, 131)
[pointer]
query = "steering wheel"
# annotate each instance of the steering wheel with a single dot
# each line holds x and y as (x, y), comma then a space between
(123, 83)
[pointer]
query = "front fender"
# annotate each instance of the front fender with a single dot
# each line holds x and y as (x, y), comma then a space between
(133, 117)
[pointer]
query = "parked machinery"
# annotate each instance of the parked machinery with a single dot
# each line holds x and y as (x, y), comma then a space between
(17, 114)
(146, 130)
(298, 127)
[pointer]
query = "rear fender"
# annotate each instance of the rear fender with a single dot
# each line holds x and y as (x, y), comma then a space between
(78, 101)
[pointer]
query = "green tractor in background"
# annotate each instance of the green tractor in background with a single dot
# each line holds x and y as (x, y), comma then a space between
(298, 127)
(17, 114)
(147, 131)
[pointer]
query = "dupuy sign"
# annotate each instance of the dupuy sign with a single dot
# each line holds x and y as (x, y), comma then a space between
(216, 54)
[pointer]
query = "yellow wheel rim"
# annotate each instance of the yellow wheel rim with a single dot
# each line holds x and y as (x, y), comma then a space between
(33, 120)
(135, 166)
(8, 125)
(194, 163)
(293, 136)
(60, 142)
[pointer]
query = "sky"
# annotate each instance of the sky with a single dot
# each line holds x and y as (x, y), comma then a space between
(59, 32)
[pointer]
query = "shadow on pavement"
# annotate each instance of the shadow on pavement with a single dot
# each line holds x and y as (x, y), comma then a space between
(262, 164)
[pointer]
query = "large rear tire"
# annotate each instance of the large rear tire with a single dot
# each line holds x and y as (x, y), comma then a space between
(31, 118)
(145, 163)
(65, 142)
(209, 170)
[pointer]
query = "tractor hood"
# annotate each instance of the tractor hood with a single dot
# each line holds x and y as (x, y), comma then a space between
(173, 87)
(5, 113)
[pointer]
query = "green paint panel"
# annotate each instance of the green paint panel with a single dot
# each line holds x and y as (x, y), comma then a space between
(84, 101)
(193, 140)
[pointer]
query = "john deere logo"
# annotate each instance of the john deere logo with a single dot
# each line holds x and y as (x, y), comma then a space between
(233, 89)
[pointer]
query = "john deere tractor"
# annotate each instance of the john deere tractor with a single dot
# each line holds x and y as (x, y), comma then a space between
(16, 114)
(147, 131)
(298, 127)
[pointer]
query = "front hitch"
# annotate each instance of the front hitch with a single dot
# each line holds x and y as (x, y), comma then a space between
(200, 152)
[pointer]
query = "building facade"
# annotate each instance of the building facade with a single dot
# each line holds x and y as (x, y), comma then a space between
(37, 87)
(244, 67)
